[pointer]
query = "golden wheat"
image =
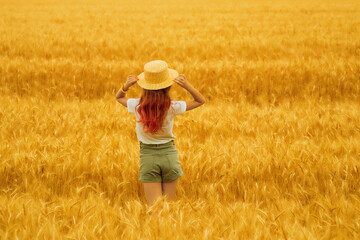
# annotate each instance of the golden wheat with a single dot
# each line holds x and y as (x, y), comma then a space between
(274, 153)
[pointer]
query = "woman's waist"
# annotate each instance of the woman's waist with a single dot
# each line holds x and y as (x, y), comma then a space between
(159, 146)
(170, 142)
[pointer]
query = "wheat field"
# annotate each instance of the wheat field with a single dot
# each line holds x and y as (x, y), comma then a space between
(274, 153)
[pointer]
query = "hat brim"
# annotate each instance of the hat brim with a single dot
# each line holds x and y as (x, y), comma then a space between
(142, 83)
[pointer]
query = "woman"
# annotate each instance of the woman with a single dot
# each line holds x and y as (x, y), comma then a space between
(154, 110)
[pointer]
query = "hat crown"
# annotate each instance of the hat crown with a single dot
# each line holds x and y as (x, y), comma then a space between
(156, 72)
(156, 75)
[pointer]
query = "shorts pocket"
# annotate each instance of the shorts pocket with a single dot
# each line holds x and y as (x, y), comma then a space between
(146, 164)
(174, 162)
(177, 167)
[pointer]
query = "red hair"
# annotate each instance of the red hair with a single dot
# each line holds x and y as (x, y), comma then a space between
(153, 106)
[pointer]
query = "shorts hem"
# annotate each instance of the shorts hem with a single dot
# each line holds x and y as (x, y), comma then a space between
(169, 179)
(149, 180)
(173, 177)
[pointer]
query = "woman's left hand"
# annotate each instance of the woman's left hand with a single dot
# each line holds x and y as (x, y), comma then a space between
(131, 80)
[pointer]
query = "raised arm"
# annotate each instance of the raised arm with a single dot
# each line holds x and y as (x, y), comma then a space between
(199, 99)
(120, 95)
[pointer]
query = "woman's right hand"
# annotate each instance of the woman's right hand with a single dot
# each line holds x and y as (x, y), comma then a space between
(182, 81)
(131, 80)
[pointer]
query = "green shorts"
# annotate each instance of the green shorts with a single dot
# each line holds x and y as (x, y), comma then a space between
(159, 162)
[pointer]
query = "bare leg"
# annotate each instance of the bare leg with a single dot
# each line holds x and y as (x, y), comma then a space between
(152, 191)
(169, 188)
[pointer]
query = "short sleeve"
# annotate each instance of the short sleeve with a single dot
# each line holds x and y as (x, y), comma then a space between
(179, 107)
(131, 104)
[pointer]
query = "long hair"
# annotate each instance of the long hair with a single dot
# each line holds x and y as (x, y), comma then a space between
(153, 107)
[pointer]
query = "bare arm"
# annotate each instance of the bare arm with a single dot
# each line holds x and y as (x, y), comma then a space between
(120, 96)
(199, 99)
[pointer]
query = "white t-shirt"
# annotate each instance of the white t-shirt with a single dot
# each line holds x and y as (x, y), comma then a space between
(165, 134)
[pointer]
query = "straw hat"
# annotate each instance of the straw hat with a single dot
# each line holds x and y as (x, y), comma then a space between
(156, 75)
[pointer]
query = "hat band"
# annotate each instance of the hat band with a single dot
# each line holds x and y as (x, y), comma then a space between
(157, 77)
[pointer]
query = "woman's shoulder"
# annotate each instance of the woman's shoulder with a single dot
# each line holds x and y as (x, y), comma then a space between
(135, 100)
(178, 106)
(175, 103)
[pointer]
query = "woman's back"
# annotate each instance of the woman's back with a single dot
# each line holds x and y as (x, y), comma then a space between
(165, 134)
